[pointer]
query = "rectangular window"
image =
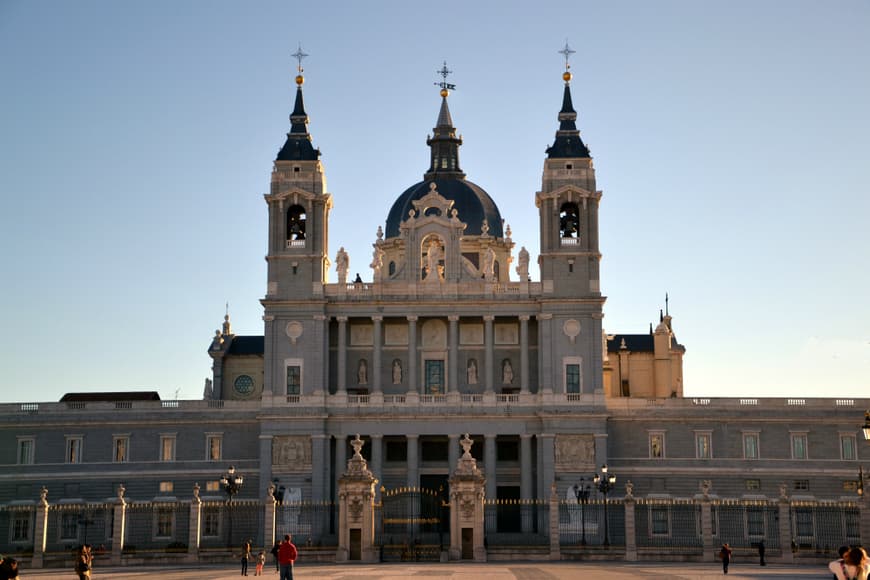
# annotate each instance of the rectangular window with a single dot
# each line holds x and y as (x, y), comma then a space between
(660, 521)
(434, 383)
(753, 484)
(26, 446)
(508, 450)
(20, 526)
(212, 486)
(804, 523)
(799, 446)
(848, 448)
(69, 526)
(293, 376)
(657, 445)
(121, 446)
(750, 446)
(211, 523)
(74, 449)
(703, 446)
(166, 487)
(164, 523)
(755, 521)
(572, 378)
(167, 448)
(802, 485)
(213, 445)
(850, 486)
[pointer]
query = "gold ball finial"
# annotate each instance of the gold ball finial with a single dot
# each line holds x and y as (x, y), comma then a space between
(300, 79)
(444, 93)
(566, 76)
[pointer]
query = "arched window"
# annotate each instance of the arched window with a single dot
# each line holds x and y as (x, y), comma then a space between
(569, 220)
(391, 269)
(296, 219)
(495, 271)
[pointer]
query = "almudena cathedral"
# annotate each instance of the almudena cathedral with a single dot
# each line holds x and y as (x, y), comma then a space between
(451, 407)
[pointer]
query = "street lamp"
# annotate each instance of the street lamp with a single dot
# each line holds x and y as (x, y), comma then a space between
(605, 483)
(581, 492)
(232, 483)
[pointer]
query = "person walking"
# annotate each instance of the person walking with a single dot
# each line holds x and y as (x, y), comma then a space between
(274, 552)
(261, 561)
(246, 555)
(725, 555)
(761, 553)
(84, 560)
(287, 554)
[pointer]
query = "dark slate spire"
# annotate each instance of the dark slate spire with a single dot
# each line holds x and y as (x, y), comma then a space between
(298, 146)
(568, 143)
(444, 144)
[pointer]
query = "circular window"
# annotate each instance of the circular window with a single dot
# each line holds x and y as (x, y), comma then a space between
(244, 385)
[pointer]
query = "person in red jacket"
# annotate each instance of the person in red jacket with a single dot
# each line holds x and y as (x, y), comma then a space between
(287, 555)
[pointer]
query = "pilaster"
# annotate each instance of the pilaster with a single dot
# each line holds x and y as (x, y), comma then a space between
(40, 530)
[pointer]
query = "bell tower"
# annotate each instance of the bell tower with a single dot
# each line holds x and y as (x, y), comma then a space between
(298, 212)
(297, 262)
(569, 260)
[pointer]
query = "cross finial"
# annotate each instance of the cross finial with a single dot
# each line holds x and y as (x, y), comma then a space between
(299, 55)
(444, 71)
(567, 52)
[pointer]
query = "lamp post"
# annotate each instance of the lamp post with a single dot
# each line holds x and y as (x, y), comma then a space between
(581, 492)
(866, 427)
(232, 483)
(605, 482)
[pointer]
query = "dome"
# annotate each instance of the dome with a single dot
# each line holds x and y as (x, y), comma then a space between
(471, 202)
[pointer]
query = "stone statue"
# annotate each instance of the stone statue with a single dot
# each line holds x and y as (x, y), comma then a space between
(507, 372)
(377, 260)
(523, 265)
(362, 372)
(218, 341)
(397, 372)
(471, 372)
(342, 261)
(629, 490)
(488, 268)
(433, 257)
(208, 390)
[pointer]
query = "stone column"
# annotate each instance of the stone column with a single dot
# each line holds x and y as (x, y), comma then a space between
(356, 510)
(707, 526)
(785, 525)
(453, 362)
(340, 455)
(413, 460)
(194, 529)
(630, 528)
(466, 508)
(555, 540)
(270, 523)
(40, 530)
(412, 354)
(548, 458)
(377, 341)
(524, 355)
(545, 367)
(489, 354)
(378, 461)
(489, 465)
(268, 371)
(319, 467)
(119, 515)
(342, 354)
(600, 449)
(265, 463)
(526, 492)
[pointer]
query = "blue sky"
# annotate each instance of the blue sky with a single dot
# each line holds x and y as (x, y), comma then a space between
(729, 138)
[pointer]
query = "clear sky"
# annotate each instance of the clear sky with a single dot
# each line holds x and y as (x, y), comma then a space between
(730, 141)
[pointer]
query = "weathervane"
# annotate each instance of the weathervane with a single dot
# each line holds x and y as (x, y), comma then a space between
(299, 55)
(445, 86)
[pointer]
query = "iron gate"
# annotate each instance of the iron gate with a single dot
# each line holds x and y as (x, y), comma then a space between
(412, 525)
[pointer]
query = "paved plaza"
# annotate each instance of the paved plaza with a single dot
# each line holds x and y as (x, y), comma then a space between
(463, 571)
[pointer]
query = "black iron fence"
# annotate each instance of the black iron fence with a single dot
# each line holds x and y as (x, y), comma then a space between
(312, 524)
(670, 524)
(71, 525)
(19, 520)
(411, 524)
(820, 527)
(157, 528)
(593, 523)
(516, 522)
(226, 526)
